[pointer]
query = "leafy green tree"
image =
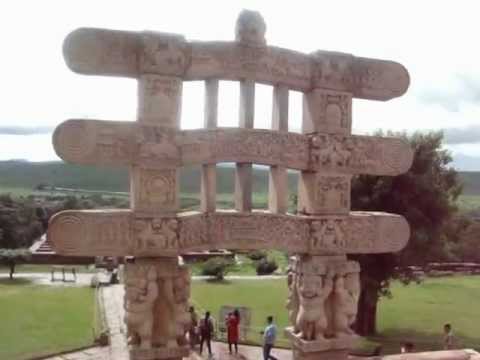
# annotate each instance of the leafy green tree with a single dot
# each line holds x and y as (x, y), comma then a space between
(425, 196)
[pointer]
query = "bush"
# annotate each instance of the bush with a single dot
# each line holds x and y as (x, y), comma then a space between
(266, 267)
(217, 267)
(257, 255)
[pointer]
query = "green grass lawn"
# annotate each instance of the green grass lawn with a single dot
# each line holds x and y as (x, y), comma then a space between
(37, 320)
(246, 266)
(34, 268)
(468, 202)
(415, 313)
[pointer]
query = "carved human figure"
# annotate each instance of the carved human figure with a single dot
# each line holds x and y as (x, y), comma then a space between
(346, 291)
(181, 294)
(313, 290)
(139, 302)
(328, 233)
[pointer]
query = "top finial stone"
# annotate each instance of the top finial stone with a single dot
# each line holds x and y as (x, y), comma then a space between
(250, 28)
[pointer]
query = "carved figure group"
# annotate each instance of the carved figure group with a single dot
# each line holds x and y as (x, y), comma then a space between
(322, 304)
(141, 292)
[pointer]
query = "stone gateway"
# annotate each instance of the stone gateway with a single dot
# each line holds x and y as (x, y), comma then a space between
(323, 285)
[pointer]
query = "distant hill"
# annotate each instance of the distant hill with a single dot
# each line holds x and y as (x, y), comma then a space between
(28, 175)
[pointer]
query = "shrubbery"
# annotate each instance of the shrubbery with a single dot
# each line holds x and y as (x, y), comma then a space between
(257, 255)
(266, 267)
(217, 267)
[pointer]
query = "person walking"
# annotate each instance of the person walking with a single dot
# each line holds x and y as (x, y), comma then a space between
(206, 333)
(269, 337)
(232, 323)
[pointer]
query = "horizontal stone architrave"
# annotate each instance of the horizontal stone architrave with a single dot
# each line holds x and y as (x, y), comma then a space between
(94, 51)
(123, 233)
(153, 146)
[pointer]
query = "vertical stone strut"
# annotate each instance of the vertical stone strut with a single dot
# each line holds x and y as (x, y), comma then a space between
(243, 173)
(278, 180)
(209, 172)
(157, 290)
(327, 112)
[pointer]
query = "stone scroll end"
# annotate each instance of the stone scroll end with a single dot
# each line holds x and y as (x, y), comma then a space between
(93, 51)
(73, 140)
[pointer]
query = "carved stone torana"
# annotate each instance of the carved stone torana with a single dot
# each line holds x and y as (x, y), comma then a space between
(122, 233)
(323, 286)
(160, 148)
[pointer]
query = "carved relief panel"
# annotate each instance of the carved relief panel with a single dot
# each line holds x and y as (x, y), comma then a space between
(154, 191)
(323, 194)
(327, 111)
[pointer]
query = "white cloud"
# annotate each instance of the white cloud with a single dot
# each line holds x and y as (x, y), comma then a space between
(435, 40)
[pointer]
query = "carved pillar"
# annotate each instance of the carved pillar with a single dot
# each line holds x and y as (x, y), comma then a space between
(324, 290)
(326, 112)
(157, 289)
(322, 305)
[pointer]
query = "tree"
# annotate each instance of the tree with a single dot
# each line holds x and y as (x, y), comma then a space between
(425, 196)
(11, 257)
(19, 222)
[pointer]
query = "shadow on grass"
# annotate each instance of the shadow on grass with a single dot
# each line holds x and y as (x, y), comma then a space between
(392, 340)
(15, 281)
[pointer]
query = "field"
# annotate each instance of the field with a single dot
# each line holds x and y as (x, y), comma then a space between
(415, 313)
(21, 178)
(469, 202)
(31, 316)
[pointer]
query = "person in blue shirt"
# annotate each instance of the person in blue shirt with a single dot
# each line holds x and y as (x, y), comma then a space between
(269, 336)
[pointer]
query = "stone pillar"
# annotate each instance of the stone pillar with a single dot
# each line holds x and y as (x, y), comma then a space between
(157, 289)
(325, 112)
(278, 178)
(322, 305)
(324, 290)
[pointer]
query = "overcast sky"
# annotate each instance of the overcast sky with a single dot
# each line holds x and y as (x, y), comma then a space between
(436, 40)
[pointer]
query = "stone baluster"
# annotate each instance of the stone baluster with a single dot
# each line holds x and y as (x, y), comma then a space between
(243, 173)
(209, 171)
(278, 178)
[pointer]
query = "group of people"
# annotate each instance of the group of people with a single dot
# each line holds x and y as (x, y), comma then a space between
(202, 331)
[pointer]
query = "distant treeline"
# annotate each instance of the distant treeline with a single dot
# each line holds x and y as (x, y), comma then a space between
(59, 174)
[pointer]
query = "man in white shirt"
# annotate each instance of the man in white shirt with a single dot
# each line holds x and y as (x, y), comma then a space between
(269, 336)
